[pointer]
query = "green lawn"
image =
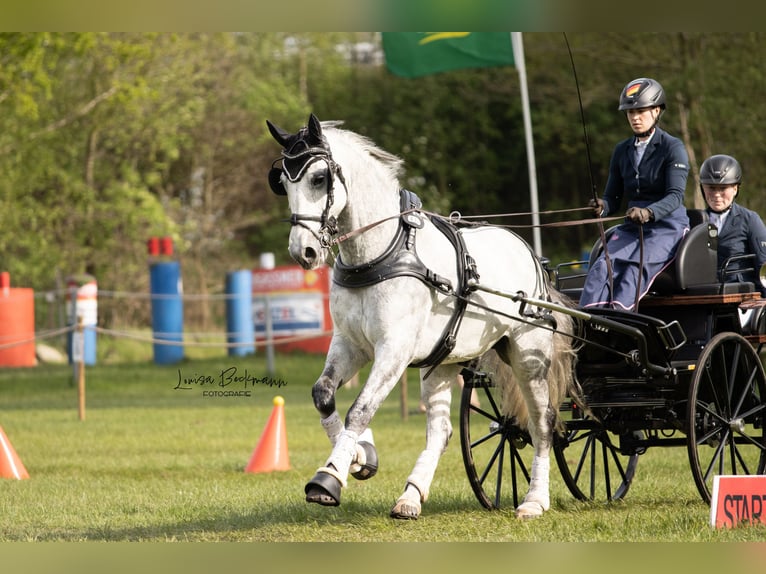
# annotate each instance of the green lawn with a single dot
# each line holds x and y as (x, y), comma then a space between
(151, 462)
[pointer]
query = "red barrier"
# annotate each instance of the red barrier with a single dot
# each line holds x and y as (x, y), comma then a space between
(299, 305)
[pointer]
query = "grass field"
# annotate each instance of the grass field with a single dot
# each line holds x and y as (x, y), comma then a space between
(154, 463)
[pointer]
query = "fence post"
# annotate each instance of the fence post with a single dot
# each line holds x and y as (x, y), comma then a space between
(403, 395)
(269, 335)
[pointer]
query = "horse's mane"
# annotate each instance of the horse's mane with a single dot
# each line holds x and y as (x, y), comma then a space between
(393, 163)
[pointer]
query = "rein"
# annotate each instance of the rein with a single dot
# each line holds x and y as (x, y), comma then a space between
(455, 218)
(360, 230)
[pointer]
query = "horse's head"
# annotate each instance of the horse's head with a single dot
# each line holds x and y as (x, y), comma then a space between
(307, 177)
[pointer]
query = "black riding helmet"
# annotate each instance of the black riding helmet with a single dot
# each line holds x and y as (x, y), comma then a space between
(720, 169)
(642, 93)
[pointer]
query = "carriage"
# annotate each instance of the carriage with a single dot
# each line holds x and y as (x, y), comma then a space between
(684, 371)
(596, 388)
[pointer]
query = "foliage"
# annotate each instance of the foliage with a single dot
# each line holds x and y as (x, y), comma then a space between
(109, 138)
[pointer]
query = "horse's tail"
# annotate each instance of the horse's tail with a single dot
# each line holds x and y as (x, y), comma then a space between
(561, 373)
(562, 379)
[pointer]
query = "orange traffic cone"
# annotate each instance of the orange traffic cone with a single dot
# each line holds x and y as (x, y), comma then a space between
(10, 463)
(271, 452)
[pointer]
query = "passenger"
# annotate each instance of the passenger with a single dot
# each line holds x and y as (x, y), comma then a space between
(741, 231)
(648, 172)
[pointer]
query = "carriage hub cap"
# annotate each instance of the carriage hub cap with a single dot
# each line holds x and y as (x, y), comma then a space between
(737, 425)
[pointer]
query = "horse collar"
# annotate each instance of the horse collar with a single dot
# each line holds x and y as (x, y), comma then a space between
(399, 259)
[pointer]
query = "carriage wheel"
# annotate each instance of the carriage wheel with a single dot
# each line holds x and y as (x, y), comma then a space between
(497, 453)
(726, 412)
(590, 460)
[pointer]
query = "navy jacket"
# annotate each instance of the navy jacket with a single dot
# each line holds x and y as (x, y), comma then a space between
(743, 232)
(659, 179)
(657, 182)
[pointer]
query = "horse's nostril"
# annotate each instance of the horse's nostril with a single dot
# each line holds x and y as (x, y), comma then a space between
(309, 254)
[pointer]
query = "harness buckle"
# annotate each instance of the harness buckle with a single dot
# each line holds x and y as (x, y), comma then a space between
(471, 274)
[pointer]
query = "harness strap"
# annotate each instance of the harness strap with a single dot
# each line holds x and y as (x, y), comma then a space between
(400, 259)
(466, 270)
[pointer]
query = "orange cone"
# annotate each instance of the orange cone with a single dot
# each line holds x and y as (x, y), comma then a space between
(271, 452)
(10, 463)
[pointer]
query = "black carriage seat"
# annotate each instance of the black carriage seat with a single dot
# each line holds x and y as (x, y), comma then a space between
(694, 271)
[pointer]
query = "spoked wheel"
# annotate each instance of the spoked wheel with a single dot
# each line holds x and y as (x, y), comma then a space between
(590, 461)
(726, 412)
(497, 453)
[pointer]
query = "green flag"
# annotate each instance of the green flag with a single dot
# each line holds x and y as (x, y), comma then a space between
(413, 54)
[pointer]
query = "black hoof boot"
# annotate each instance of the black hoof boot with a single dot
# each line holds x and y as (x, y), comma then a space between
(369, 468)
(323, 489)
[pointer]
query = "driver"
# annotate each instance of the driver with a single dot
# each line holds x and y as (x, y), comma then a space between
(648, 172)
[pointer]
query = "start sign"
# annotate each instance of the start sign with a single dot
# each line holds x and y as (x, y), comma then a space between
(739, 499)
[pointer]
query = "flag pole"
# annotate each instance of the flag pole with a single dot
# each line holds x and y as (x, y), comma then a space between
(518, 58)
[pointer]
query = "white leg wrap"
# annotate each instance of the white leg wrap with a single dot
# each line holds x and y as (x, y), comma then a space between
(539, 482)
(333, 426)
(423, 473)
(343, 453)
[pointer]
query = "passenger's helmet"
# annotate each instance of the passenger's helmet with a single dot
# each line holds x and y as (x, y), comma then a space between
(720, 170)
(642, 93)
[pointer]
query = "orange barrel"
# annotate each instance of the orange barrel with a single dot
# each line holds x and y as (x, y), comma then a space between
(17, 323)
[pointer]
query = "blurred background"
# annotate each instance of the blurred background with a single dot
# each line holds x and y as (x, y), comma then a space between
(108, 139)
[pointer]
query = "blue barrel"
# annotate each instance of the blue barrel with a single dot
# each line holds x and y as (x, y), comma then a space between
(167, 311)
(239, 313)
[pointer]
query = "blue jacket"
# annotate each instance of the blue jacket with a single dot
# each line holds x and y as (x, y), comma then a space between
(659, 179)
(743, 232)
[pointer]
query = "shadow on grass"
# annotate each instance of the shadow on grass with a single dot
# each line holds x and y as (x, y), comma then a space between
(293, 521)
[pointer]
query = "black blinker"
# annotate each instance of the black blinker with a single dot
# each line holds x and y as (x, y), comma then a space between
(275, 181)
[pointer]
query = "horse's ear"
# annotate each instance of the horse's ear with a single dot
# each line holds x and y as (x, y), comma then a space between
(278, 134)
(315, 129)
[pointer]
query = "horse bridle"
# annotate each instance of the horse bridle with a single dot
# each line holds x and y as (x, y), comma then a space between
(295, 162)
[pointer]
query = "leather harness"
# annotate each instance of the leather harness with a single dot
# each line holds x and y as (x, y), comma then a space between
(401, 260)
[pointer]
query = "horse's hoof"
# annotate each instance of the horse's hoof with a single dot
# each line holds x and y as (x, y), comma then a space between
(323, 489)
(529, 510)
(405, 510)
(370, 467)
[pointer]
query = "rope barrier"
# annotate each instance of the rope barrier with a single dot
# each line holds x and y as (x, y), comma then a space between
(187, 339)
(262, 342)
(36, 337)
(147, 296)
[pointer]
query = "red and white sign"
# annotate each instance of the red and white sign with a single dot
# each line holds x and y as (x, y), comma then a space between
(738, 499)
(297, 304)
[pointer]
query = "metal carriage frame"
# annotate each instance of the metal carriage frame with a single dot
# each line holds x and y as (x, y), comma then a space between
(681, 372)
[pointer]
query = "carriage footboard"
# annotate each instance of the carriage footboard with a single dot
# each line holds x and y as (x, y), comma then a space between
(670, 334)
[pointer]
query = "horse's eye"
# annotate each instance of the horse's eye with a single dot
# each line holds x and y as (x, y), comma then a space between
(318, 179)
